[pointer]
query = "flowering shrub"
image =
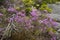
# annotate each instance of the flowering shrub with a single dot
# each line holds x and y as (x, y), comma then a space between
(34, 26)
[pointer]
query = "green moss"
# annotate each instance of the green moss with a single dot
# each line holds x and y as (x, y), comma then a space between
(28, 2)
(45, 7)
(39, 5)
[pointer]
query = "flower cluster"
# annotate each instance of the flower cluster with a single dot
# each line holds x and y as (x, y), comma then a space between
(36, 21)
(27, 20)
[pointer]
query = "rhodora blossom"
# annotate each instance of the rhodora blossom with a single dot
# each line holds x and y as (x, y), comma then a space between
(21, 20)
(49, 22)
(1, 14)
(17, 19)
(20, 14)
(45, 22)
(11, 20)
(11, 9)
(34, 12)
(28, 25)
(34, 18)
(54, 38)
(53, 22)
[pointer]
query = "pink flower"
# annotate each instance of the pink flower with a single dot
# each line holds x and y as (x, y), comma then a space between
(34, 12)
(34, 18)
(45, 21)
(20, 14)
(17, 19)
(53, 22)
(11, 20)
(11, 9)
(53, 38)
(1, 14)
